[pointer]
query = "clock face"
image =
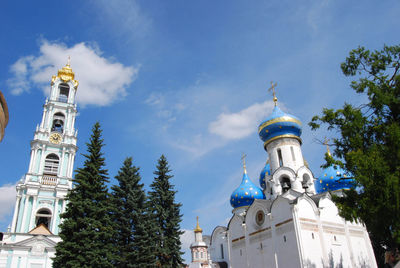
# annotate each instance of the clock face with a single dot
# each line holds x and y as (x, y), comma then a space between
(55, 138)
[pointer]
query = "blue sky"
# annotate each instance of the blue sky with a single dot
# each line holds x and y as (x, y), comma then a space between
(187, 79)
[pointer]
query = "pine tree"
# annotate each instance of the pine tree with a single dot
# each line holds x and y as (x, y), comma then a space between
(86, 229)
(166, 214)
(130, 215)
(368, 145)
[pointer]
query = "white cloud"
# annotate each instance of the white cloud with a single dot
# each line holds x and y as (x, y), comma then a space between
(102, 81)
(239, 125)
(7, 200)
(124, 17)
(155, 99)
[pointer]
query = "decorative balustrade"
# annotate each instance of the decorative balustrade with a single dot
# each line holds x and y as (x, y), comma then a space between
(48, 180)
(62, 99)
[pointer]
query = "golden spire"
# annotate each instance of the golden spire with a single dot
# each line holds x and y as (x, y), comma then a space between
(198, 229)
(244, 162)
(66, 74)
(272, 88)
(327, 146)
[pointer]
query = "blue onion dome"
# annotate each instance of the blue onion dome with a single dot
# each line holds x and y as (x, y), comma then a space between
(279, 125)
(334, 178)
(265, 172)
(245, 194)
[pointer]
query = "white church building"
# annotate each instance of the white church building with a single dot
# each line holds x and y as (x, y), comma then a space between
(30, 240)
(285, 222)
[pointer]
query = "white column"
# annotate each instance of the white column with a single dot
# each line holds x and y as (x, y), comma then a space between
(274, 239)
(42, 158)
(64, 203)
(73, 121)
(43, 117)
(324, 247)
(24, 213)
(55, 215)
(14, 221)
(31, 161)
(229, 249)
(31, 222)
(47, 124)
(246, 245)
(299, 240)
(71, 164)
(61, 169)
(68, 167)
(67, 128)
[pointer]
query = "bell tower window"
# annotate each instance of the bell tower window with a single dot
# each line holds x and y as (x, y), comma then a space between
(306, 181)
(285, 184)
(64, 92)
(51, 164)
(58, 122)
(43, 216)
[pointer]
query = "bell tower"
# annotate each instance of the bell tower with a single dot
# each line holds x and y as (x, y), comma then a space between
(41, 193)
(281, 133)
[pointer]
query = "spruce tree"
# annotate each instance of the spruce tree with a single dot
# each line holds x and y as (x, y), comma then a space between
(132, 239)
(86, 228)
(166, 214)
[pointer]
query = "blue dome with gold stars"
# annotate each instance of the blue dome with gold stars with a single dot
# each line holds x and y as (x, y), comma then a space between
(245, 194)
(279, 125)
(266, 171)
(334, 178)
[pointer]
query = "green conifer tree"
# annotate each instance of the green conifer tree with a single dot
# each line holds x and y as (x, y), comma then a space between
(133, 239)
(167, 217)
(86, 229)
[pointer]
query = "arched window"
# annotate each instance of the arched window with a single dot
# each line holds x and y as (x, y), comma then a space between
(58, 122)
(280, 159)
(64, 92)
(43, 216)
(306, 181)
(51, 164)
(285, 184)
(292, 151)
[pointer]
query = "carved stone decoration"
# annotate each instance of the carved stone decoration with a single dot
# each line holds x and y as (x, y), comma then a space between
(38, 249)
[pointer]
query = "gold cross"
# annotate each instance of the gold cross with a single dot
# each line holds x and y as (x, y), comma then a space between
(272, 88)
(244, 162)
(326, 140)
(69, 61)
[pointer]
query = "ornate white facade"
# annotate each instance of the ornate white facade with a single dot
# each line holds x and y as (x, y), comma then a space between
(289, 225)
(33, 233)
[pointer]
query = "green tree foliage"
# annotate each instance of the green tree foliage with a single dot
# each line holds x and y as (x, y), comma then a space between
(166, 214)
(369, 144)
(86, 229)
(132, 221)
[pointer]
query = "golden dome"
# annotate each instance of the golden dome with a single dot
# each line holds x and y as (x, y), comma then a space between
(198, 229)
(66, 74)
